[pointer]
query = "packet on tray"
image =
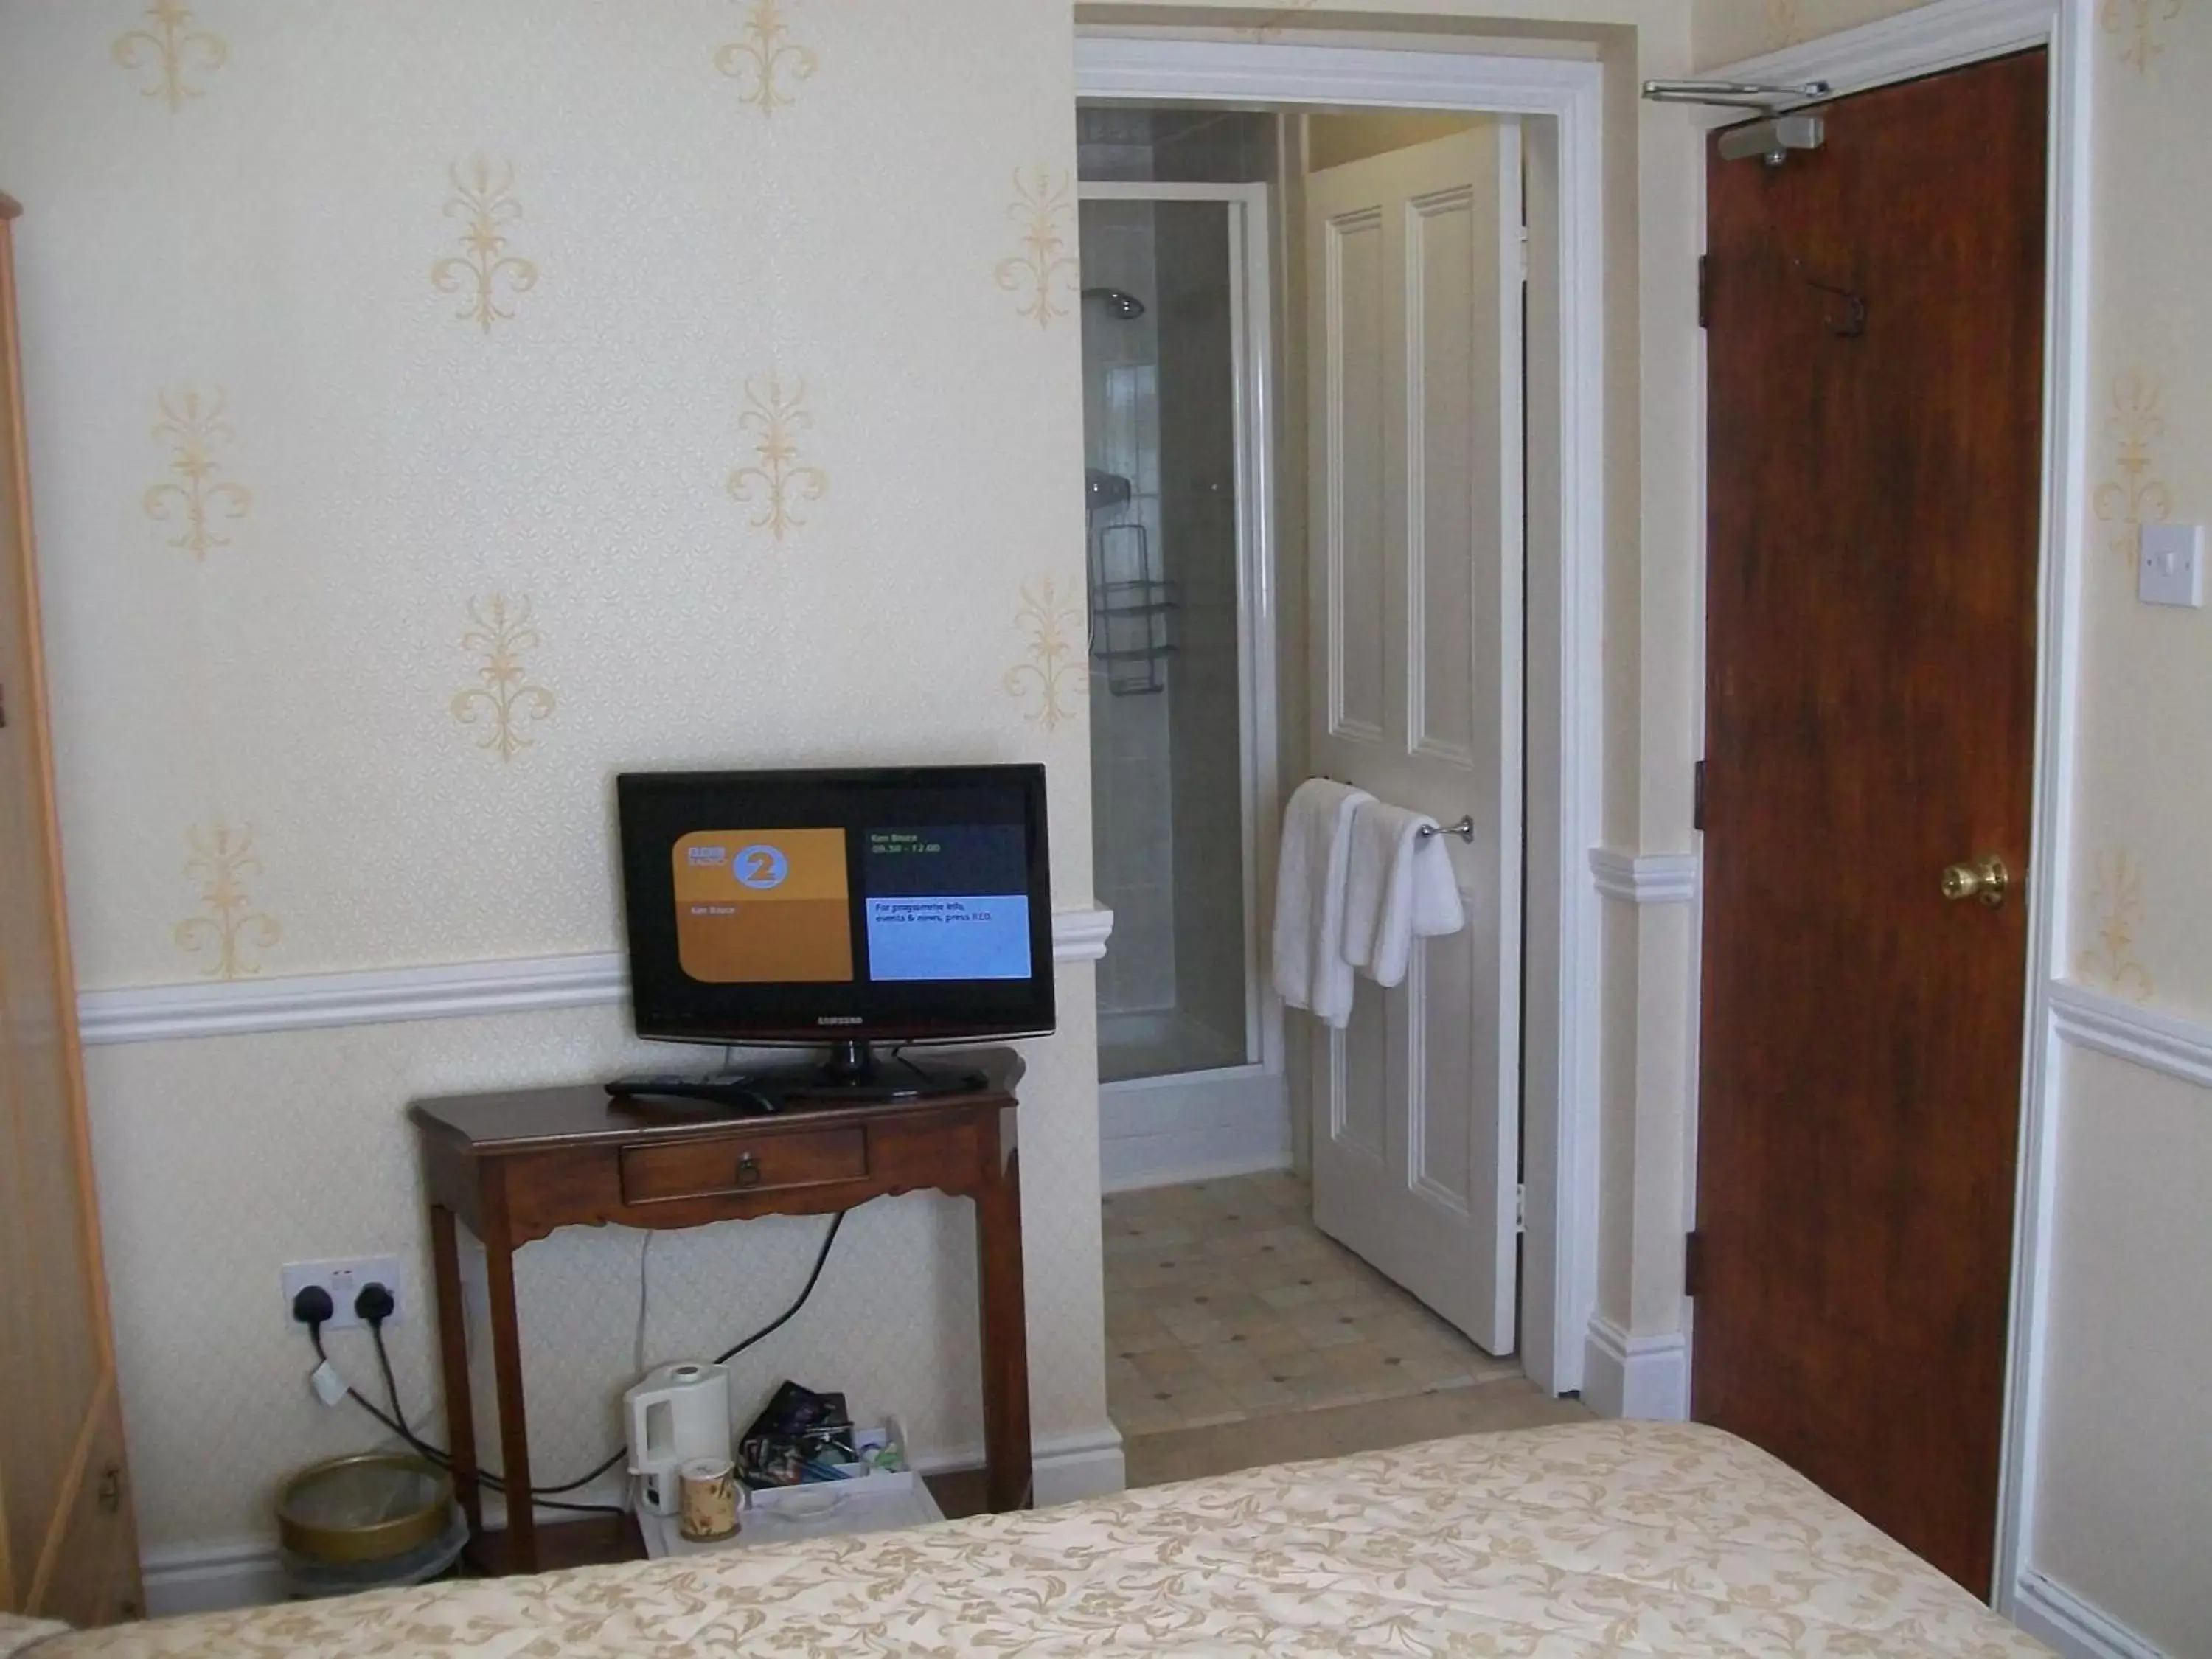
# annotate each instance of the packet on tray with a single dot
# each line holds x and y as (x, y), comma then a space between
(799, 1436)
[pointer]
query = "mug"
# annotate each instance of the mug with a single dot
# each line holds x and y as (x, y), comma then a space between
(712, 1498)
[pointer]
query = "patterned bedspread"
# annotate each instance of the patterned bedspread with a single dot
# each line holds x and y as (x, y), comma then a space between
(1596, 1538)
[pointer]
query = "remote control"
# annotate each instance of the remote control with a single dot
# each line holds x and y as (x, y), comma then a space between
(718, 1090)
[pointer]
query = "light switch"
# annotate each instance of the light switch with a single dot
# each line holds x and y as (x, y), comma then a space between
(2171, 570)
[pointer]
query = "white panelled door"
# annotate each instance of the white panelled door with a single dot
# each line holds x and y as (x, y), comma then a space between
(1414, 261)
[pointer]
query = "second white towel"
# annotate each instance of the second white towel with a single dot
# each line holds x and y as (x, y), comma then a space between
(1397, 888)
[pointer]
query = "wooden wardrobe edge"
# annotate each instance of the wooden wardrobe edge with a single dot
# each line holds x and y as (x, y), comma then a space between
(73, 1081)
(80, 1464)
(9, 207)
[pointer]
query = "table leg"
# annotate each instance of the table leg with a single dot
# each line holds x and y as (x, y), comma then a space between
(453, 1354)
(1006, 1338)
(513, 1420)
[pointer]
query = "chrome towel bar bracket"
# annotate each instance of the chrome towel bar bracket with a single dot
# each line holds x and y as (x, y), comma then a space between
(1464, 829)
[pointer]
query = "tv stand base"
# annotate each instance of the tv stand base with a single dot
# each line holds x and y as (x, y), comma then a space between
(854, 1075)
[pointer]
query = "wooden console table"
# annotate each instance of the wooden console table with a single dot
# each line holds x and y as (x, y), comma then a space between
(514, 1167)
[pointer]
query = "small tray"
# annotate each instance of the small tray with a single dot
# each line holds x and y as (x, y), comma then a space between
(868, 1500)
(878, 1502)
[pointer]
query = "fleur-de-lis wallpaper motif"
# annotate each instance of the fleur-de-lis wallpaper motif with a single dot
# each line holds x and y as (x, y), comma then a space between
(504, 697)
(2131, 497)
(1053, 673)
(173, 48)
(1044, 209)
(2118, 904)
(1785, 24)
(222, 859)
(483, 200)
(194, 429)
(2135, 23)
(765, 62)
(1273, 26)
(779, 482)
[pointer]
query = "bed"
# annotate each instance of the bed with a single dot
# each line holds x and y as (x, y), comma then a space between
(1588, 1538)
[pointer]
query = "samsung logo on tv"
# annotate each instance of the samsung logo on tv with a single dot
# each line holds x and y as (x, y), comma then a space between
(841, 1019)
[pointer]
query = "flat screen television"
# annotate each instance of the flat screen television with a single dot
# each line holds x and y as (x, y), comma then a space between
(845, 908)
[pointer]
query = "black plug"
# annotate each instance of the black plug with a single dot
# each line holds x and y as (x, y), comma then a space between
(313, 1306)
(375, 1304)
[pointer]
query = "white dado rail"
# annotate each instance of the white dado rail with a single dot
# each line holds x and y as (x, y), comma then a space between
(2157, 1040)
(1645, 878)
(382, 996)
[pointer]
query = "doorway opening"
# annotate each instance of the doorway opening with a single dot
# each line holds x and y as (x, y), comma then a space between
(1285, 577)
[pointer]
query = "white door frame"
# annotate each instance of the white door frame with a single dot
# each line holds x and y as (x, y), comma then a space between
(1233, 1119)
(1561, 101)
(1949, 35)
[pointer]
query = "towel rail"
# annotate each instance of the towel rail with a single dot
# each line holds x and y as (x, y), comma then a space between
(1464, 828)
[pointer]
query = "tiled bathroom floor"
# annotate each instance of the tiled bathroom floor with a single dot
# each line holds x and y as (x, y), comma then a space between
(1223, 1303)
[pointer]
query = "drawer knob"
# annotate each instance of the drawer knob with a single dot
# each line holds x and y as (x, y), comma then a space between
(749, 1172)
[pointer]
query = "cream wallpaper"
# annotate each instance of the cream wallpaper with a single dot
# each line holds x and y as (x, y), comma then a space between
(2127, 1442)
(1727, 30)
(2127, 1501)
(436, 406)
(403, 306)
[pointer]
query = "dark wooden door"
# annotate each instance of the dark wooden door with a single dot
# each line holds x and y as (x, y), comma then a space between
(1876, 327)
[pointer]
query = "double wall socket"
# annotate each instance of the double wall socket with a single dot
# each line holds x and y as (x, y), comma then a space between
(346, 1280)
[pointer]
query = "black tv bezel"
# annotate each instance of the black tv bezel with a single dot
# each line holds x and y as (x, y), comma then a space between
(655, 809)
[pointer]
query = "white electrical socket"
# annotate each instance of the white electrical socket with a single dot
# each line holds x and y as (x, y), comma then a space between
(344, 1280)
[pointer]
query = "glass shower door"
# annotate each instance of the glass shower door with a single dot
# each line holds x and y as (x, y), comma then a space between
(1174, 766)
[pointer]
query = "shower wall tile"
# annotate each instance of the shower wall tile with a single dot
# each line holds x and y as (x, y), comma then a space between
(1198, 449)
(1144, 935)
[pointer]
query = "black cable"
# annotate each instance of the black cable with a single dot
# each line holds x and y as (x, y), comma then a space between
(397, 1422)
(438, 1455)
(391, 1385)
(821, 1260)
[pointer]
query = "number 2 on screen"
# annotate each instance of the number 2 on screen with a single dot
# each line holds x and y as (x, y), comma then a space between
(760, 867)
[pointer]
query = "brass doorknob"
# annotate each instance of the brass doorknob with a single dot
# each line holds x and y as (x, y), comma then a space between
(1985, 878)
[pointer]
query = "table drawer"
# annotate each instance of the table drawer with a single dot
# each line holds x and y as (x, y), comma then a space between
(742, 1163)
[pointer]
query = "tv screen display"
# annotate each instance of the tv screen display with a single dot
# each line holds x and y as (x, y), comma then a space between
(829, 906)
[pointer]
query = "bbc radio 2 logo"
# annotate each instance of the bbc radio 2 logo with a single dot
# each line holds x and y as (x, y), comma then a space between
(760, 867)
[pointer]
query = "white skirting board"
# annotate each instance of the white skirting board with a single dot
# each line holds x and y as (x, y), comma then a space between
(1159, 1131)
(1639, 1376)
(2063, 1621)
(210, 1577)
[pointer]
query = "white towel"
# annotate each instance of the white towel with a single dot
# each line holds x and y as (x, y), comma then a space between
(1311, 971)
(1399, 887)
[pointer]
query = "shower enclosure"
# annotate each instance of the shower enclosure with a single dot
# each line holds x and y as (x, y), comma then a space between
(1175, 347)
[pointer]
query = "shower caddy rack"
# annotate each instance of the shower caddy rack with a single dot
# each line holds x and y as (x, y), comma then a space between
(1132, 606)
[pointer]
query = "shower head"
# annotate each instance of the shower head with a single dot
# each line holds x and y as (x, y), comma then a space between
(1126, 306)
